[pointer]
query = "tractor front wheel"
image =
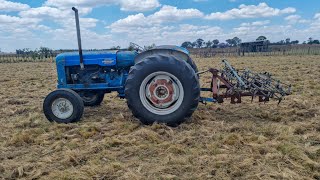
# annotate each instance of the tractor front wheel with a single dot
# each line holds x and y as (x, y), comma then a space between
(63, 106)
(91, 98)
(162, 89)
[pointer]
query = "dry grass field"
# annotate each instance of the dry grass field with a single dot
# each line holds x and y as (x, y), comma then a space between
(220, 141)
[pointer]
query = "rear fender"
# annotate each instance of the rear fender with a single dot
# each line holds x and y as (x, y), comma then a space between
(177, 52)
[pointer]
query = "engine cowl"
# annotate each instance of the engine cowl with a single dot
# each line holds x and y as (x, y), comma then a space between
(118, 59)
(126, 58)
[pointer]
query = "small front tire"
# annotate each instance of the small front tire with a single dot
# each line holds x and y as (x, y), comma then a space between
(63, 106)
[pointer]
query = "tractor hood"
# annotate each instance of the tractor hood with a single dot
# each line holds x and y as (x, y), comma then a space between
(101, 58)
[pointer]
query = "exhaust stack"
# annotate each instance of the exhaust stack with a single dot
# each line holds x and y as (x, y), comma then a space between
(79, 36)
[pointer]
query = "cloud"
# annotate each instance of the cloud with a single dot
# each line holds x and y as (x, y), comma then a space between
(272, 32)
(129, 23)
(256, 23)
(125, 5)
(164, 15)
(315, 24)
(138, 5)
(294, 19)
(250, 11)
(172, 14)
(44, 12)
(7, 21)
(17, 26)
(9, 6)
(170, 34)
(192, 32)
(62, 17)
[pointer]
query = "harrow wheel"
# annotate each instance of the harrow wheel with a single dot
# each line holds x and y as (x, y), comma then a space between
(63, 106)
(162, 89)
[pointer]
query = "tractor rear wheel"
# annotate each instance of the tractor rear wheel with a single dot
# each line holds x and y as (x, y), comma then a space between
(63, 106)
(162, 89)
(91, 98)
(192, 64)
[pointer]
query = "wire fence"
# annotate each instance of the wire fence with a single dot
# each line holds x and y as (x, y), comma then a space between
(275, 50)
(17, 58)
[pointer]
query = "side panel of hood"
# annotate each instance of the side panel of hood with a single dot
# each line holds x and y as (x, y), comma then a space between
(102, 58)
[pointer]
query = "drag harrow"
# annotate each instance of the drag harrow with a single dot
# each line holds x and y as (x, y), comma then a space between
(243, 83)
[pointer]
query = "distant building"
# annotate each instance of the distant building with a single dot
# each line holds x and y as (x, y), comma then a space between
(256, 46)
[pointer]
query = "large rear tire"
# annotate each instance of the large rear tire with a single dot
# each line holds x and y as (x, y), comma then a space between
(192, 64)
(162, 89)
(63, 106)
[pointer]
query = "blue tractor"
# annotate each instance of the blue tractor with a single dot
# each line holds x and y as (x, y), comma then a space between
(160, 84)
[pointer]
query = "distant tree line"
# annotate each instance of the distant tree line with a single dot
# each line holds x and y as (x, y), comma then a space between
(37, 53)
(200, 43)
(234, 42)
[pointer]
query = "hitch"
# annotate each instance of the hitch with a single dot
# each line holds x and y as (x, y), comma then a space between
(243, 83)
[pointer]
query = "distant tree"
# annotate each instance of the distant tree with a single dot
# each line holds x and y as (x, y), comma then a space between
(194, 44)
(282, 42)
(311, 41)
(304, 42)
(209, 44)
(131, 47)
(295, 42)
(199, 43)
(115, 48)
(236, 41)
(215, 42)
(44, 51)
(19, 51)
(229, 42)
(288, 40)
(261, 38)
(316, 41)
(222, 45)
(187, 44)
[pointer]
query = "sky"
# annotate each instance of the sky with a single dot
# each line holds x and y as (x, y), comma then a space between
(107, 23)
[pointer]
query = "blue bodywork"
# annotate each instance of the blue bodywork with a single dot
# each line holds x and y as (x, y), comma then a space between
(104, 70)
(115, 63)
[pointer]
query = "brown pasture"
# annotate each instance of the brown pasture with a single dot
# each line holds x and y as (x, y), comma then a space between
(220, 141)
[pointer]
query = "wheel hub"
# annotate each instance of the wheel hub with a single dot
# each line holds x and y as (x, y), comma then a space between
(162, 91)
(62, 108)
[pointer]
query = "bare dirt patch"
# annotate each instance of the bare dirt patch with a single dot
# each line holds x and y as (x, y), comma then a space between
(242, 141)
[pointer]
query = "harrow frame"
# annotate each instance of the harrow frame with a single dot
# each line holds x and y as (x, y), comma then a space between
(243, 83)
